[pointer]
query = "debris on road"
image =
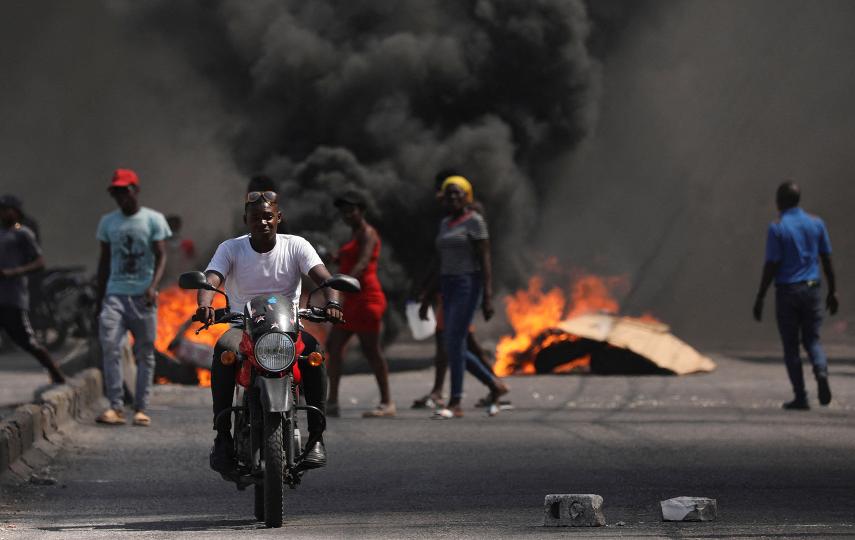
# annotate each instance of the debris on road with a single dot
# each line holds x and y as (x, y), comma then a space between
(573, 511)
(38, 480)
(689, 509)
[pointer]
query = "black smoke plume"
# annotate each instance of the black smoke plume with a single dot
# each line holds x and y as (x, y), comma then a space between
(378, 96)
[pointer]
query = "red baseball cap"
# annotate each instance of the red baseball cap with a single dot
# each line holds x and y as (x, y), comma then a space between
(124, 178)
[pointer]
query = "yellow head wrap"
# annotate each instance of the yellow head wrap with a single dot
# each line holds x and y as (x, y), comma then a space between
(460, 182)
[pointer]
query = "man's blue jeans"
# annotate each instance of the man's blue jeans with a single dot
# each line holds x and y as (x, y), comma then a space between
(798, 307)
(461, 295)
(118, 315)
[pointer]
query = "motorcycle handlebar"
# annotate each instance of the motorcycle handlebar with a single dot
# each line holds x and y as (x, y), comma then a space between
(221, 315)
(313, 314)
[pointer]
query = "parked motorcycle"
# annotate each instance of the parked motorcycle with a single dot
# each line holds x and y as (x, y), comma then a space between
(62, 304)
(267, 439)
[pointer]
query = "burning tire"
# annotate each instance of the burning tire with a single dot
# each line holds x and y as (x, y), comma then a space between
(273, 470)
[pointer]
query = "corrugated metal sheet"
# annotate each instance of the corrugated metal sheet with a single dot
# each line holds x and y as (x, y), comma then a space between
(651, 340)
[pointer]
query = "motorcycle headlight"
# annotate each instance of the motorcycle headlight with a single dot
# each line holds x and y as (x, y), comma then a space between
(275, 351)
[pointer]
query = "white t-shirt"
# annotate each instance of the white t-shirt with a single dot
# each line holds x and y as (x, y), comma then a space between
(249, 273)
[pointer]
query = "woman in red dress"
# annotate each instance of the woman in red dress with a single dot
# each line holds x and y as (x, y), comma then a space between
(363, 311)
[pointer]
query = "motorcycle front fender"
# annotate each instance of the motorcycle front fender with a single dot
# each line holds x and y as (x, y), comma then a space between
(275, 393)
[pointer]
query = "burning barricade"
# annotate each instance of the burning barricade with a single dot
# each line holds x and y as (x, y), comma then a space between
(586, 335)
(183, 356)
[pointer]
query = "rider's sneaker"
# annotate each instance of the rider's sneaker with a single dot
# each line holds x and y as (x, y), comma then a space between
(381, 411)
(111, 417)
(317, 456)
(222, 457)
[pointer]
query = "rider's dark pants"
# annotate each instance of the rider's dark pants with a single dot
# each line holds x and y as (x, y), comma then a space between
(223, 379)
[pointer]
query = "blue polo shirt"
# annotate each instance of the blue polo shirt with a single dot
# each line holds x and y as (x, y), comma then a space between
(796, 241)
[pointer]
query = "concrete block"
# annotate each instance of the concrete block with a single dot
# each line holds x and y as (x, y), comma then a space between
(689, 509)
(573, 511)
(22, 419)
(48, 420)
(59, 400)
(36, 426)
(12, 435)
(35, 458)
(20, 470)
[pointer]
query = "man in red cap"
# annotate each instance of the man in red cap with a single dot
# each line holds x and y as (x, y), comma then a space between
(133, 258)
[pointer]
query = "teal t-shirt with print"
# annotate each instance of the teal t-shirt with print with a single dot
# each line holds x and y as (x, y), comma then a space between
(131, 254)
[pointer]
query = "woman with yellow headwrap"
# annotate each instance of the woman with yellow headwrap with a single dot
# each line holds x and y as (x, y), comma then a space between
(465, 277)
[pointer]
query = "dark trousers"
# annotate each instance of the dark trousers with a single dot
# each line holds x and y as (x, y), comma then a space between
(223, 379)
(798, 308)
(16, 323)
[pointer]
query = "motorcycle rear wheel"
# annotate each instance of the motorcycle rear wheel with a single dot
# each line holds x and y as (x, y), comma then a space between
(273, 469)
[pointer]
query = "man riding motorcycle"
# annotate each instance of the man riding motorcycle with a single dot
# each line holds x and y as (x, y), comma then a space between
(263, 262)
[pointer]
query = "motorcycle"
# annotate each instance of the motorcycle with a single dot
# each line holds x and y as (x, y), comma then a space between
(62, 304)
(268, 443)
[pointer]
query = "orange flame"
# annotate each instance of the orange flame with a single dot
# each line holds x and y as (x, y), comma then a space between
(175, 306)
(533, 312)
(204, 376)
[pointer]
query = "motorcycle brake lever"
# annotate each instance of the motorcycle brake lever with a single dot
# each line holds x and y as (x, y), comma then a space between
(203, 327)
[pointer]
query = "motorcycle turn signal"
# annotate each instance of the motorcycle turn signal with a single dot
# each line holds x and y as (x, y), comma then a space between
(315, 359)
(228, 358)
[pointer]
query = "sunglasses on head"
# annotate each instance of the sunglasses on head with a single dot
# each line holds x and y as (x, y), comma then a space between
(269, 196)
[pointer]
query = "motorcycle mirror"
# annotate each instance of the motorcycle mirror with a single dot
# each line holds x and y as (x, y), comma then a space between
(194, 280)
(343, 282)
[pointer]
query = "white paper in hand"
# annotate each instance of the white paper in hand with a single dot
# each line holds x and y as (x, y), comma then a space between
(419, 328)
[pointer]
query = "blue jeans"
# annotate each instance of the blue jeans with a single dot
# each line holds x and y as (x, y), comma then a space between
(798, 308)
(118, 315)
(461, 295)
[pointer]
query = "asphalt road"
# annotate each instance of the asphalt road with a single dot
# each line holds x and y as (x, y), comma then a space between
(633, 440)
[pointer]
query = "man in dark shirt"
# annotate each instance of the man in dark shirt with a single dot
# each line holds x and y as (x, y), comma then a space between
(795, 245)
(20, 255)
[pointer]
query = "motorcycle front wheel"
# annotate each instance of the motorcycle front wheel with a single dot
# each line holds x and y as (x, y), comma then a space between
(273, 469)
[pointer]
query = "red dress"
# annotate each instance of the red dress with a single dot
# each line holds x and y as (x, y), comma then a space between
(363, 311)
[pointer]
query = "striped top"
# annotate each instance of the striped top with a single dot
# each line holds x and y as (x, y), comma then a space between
(455, 243)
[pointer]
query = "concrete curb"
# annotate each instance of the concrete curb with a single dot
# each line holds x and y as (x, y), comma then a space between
(28, 436)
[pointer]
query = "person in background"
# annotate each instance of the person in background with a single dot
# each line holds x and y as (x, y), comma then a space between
(363, 311)
(20, 255)
(434, 398)
(180, 251)
(796, 243)
(130, 267)
(465, 279)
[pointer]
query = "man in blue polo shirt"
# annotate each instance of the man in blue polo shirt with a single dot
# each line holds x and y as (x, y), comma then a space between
(796, 243)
